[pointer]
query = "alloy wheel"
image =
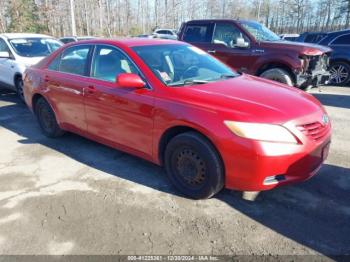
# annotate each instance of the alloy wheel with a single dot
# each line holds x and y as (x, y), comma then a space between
(339, 74)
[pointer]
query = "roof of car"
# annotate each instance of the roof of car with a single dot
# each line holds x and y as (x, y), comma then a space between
(21, 35)
(170, 29)
(131, 42)
(219, 20)
(346, 31)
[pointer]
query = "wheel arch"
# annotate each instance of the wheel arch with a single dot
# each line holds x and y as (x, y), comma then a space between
(340, 59)
(35, 99)
(173, 131)
(276, 64)
(15, 77)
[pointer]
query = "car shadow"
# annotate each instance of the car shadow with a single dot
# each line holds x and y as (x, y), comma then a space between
(315, 214)
(333, 99)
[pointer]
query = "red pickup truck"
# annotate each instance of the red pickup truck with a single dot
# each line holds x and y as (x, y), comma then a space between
(250, 47)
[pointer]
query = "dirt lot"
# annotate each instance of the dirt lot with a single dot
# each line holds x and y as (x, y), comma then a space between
(74, 196)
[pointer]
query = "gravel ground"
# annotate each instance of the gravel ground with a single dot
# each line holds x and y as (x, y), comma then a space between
(74, 196)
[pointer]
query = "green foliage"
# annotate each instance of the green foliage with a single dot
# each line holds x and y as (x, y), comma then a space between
(23, 16)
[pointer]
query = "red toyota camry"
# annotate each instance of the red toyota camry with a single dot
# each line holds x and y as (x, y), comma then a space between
(175, 105)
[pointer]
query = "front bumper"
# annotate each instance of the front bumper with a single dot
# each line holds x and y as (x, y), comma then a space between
(256, 165)
(316, 78)
(315, 73)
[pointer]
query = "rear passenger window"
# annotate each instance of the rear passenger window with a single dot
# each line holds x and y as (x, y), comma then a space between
(74, 60)
(197, 33)
(342, 40)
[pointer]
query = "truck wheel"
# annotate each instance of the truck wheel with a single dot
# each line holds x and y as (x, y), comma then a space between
(279, 75)
(194, 166)
(19, 88)
(340, 73)
(47, 119)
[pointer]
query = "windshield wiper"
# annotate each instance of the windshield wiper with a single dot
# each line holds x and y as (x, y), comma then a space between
(189, 82)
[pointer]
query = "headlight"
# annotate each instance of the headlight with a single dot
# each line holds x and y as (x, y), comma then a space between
(264, 132)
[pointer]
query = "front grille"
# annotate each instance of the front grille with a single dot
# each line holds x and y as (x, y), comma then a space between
(318, 63)
(316, 131)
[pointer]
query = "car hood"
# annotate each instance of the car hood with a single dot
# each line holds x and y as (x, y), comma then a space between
(303, 48)
(248, 98)
(29, 61)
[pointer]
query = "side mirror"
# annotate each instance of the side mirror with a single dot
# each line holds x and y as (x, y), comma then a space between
(129, 80)
(5, 54)
(242, 43)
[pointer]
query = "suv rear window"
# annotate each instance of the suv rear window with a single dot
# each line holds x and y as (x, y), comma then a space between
(197, 33)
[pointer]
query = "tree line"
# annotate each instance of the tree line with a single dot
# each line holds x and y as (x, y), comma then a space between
(131, 17)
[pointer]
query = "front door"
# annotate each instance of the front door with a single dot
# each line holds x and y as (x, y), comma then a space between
(120, 115)
(224, 47)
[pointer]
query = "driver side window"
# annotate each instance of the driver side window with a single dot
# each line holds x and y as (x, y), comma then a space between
(109, 62)
(227, 34)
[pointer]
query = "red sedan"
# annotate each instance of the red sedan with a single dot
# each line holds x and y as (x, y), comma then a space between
(175, 105)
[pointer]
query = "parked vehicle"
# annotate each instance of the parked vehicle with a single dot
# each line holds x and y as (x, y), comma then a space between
(70, 39)
(339, 41)
(165, 34)
(17, 52)
(311, 37)
(250, 47)
(290, 37)
(173, 104)
(145, 36)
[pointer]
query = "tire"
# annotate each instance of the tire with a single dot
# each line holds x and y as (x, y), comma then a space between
(340, 73)
(194, 166)
(19, 88)
(279, 75)
(47, 119)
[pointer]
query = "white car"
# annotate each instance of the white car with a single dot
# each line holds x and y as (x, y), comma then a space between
(19, 51)
(165, 33)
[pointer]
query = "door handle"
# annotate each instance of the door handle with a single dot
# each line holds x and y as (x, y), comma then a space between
(91, 90)
(211, 51)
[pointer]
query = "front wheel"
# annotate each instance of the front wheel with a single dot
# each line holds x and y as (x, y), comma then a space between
(47, 119)
(340, 73)
(194, 166)
(279, 75)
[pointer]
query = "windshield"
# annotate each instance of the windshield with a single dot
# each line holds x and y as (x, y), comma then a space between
(259, 31)
(35, 47)
(179, 65)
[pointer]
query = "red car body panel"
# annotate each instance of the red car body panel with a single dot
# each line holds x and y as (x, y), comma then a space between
(135, 120)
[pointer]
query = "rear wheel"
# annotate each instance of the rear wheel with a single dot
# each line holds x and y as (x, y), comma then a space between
(279, 75)
(47, 119)
(340, 73)
(19, 87)
(194, 166)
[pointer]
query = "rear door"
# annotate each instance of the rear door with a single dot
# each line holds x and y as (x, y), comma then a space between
(65, 80)
(199, 34)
